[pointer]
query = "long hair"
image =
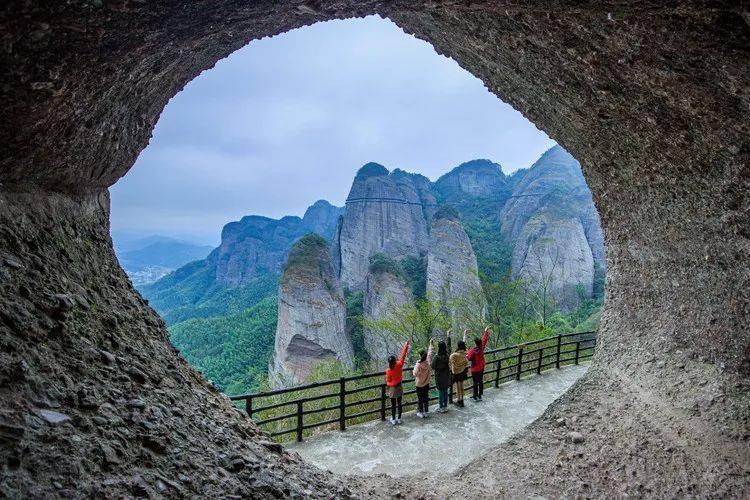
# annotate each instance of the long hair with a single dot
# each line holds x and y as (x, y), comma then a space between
(461, 346)
(422, 356)
(391, 361)
(442, 348)
(477, 342)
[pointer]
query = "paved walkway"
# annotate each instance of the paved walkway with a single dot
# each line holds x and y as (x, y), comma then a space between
(438, 445)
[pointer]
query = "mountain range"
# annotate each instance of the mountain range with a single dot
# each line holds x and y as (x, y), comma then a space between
(538, 225)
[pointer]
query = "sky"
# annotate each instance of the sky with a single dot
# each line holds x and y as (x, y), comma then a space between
(288, 120)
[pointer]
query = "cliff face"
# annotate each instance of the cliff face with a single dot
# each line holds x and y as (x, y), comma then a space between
(556, 172)
(553, 257)
(386, 212)
(554, 229)
(452, 267)
(384, 293)
(311, 315)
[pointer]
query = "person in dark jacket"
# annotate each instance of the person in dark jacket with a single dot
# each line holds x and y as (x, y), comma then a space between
(441, 369)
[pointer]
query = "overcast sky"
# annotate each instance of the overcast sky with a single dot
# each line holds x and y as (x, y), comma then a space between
(288, 120)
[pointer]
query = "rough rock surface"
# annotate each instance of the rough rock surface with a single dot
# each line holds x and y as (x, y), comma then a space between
(311, 316)
(650, 96)
(95, 402)
(555, 229)
(386, 212)
(452, 269)
(553, 258)
(384, 292)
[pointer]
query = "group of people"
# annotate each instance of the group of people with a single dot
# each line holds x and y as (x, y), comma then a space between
(448, 369)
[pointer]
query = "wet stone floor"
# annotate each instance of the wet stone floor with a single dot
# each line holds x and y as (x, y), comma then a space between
(438, 444)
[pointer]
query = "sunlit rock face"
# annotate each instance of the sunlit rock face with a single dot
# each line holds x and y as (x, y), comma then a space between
(452, 273)
(311, 315)
(384, 293)
(386, 212)
(555, 230)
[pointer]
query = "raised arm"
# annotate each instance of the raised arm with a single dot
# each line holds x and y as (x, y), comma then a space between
(430, 350)
(486, 336)
(404, 352)
(466, 332)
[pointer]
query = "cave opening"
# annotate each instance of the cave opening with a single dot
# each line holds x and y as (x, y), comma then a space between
(652, 98)
(524, 250)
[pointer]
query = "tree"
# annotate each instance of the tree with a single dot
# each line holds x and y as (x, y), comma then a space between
(416, 322)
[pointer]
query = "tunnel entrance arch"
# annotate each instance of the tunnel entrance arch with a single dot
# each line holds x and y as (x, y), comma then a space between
(652, 99)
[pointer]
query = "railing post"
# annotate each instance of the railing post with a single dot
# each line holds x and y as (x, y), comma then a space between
(559, 344)
(382, 402)
(249, 406)
(578, 350)
(299, 421)
(539, 362)
(497, 372)
(342, 404)
(519, 361)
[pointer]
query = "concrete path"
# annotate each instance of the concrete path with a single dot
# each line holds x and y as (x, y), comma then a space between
(439, 444)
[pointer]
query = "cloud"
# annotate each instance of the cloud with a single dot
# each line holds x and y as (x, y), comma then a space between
(287, 120)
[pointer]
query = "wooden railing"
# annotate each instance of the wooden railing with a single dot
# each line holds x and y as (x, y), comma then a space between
(350, 400)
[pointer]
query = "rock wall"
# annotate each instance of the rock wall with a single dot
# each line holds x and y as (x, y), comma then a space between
(386, 212)
(311, 316)
(555, 230)
(553, 258)
(384, 293)
(452, 271)
(94, 400)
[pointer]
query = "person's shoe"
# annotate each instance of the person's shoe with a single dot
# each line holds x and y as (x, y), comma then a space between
(479, 398)
(393, 421)
(420, 415)
(398, 421)
(461, 404)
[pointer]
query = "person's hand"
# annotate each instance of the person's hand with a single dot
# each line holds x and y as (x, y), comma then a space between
(489, 327)
(432, 341)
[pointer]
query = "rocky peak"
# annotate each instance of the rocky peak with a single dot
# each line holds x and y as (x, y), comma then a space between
(554, 176)
(311, 314)
(480, 178)
(386, 212)
(554, 228)
(321, 217)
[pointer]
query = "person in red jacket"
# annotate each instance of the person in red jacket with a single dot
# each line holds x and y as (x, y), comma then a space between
(476, 358)
(394, 375)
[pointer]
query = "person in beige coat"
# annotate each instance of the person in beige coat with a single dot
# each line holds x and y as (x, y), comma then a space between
(459, 366)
